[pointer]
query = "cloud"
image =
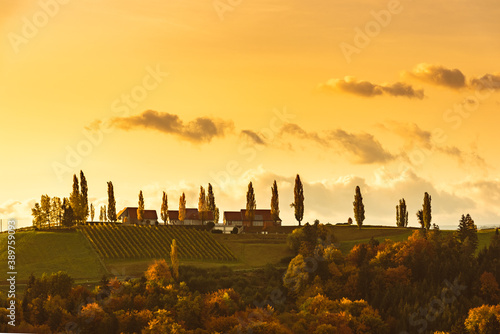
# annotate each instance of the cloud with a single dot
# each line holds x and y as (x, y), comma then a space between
(364, 88)
(201, 129)
(438, 75)
(487, 81)
(364, 147)
(255, 137)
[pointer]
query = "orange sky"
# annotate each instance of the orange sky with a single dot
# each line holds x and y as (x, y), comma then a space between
(171, 95)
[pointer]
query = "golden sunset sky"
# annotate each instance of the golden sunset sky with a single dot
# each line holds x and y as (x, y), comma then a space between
(398, 97)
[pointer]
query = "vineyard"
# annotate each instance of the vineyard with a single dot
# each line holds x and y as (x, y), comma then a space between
(119, 242)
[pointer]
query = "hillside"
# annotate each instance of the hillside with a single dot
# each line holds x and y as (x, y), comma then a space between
(41, 252)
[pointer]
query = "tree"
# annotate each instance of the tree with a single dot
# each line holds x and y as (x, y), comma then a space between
(467, 230)
(275, 204)
(102, 214)
(45, 206)
(211, 200)
(298, 203)
(92, 212)
(111, 203)
(164, 208)
(56, 210)
(140, 208)
(216, 215)
(202, 205)
(84, 201)
(182, 208)
(174, 260)
(359, 207)
(401, 214)
(349, 221)
(251, 204)
(426, 211)
(36, 212)
(75, 199)
(68, 216)
(420, 218)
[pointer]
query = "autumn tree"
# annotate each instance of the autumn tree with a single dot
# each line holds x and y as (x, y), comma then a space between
(111, 203)
(92, 212)
(182, 208)
(140, 208)
(251, 204)
(216, 215)
(359, 207)
(426, 211)
(164, 208)
(159, 272)
(401, 214)
(275, 209)
(174, 259)
(202, 205)
(84, 200)
(298, 200)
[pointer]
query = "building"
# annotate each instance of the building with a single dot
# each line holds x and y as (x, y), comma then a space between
(192, 217)
(129, 216)
(262, 218)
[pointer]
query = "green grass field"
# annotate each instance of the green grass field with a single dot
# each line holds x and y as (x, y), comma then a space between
(41, 252)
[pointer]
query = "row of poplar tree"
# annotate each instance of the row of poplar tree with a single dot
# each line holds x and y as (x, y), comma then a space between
(75, 209)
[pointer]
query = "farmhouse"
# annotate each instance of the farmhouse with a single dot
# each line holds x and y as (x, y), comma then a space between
(262, 218)
(192, 217)
(129, 216)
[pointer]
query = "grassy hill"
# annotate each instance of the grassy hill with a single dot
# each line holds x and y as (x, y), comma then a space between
(41, 252)
(72, 251)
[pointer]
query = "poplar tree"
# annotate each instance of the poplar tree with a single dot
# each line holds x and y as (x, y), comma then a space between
(359, 207)
(174, 259)
(251, 204)
(426, 211)
(164, 208)
(84, 200)
(275, 209)
(298, 203)
(401, 214)
(140, 208)
(75, 199)
(111, 203)
(202, 205)
(92, 212)
(182, 208)
(211, 201)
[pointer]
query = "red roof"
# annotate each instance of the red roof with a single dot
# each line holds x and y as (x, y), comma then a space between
(260, 215)
(191, 214)
(132, 213)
